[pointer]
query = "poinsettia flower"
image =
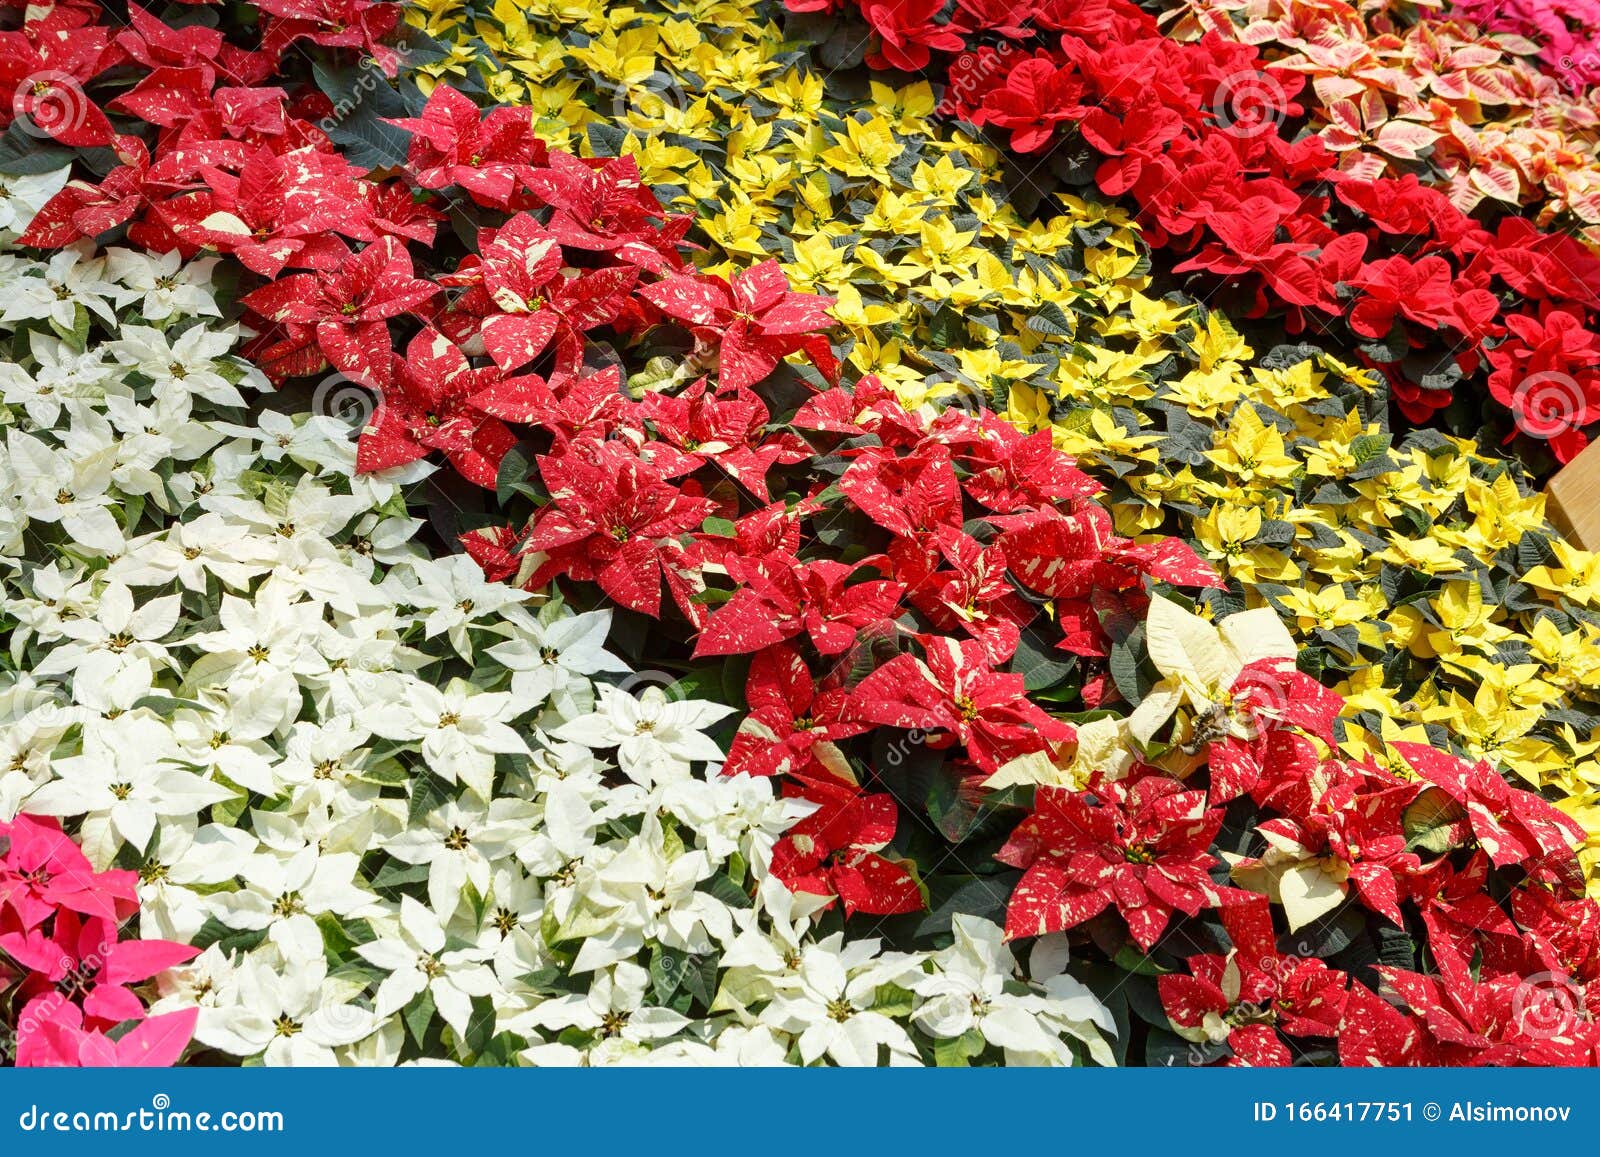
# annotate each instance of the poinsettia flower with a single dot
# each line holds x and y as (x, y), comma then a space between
(343, 313)
(778, 597)
(614, 520)
(1009, 470)
(429, 405)
(836, 850)
(907, 32)
(526, 301)
(1254, 996)
(723, 429)
(794, 721)
(1141, 846)
(85, 209)
(44, 68)
(1267, 695)
(60, 1041)
(1511, 825)
(86, 958)
(962, 586)
(603, 205)
(43, 871)
(363, 24)
(956, 694)
(753, 321)
(155, 45)
(492, 156)
(280, 210)
(905, 494)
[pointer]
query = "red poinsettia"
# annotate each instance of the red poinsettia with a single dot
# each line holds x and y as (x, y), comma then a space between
(836, 850)
(1512, 826)
(614, 520)
(526, 301)
(279, 210)
(341, 314)
(1254, 994)
(604, 206)
(955, 694)
(907, 30)
(492, 156)
(752, 322)
(42, 872)
(779, 597)
(433, 404)
(1140, 846)
(44, 68)
(795, 720)
(85, 958)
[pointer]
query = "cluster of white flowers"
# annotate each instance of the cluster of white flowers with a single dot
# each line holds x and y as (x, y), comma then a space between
(409, 814)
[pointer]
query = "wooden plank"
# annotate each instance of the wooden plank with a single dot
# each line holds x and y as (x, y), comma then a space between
(1574, 499)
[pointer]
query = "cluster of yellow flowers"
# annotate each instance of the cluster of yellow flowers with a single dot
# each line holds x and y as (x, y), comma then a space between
(1418, 574)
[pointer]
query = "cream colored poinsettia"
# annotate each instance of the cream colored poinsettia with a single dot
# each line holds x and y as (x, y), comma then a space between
(1200, 661)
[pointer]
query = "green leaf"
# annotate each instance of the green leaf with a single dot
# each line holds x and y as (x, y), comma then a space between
(167, 706)
(1429, 821)
(515, 470)
(1050, 320)
(418, 1015)
(22, 155)
(1130, 959)
(667, 967)
(362, 101)
(955, 1052)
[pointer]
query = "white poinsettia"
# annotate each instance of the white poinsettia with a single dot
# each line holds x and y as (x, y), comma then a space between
(461, 843)
(186, 364)
(23, 195)
(416, 959)
(614, 1008)
(163, 286)
(830, 1005)
(546, 658)
(118, 629)
(657, 737)
(462, 729)
(58, 374)
(125, 781)
(71, 488)
(976, 990)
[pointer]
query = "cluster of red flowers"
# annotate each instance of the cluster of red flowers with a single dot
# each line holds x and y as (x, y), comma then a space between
(1193, 134)
(63, 964)
(638, 495)
(1512, 975)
